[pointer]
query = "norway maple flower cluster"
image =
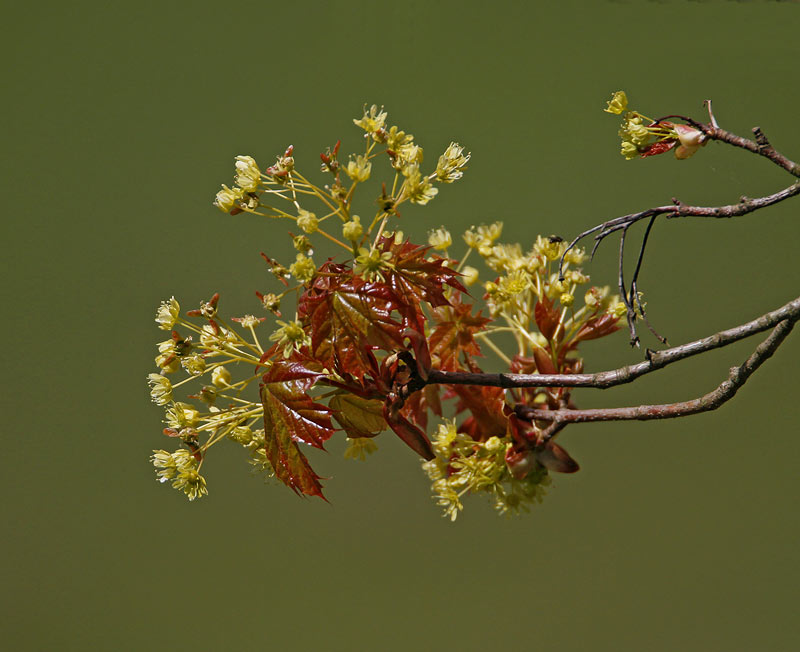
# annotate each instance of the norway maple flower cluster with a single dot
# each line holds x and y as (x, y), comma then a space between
(642, 136)
(347, 345)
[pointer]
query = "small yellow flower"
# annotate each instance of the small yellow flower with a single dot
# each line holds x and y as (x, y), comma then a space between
(160, 389)
(227, 198)
(167, 314)
(190, 482)
(395, 139)
(303, 269)
(370, 264)
(418, 188)
(353, 230)
(618, 103)
(290, 336)
(470, 275)
(359, 447)
(373, 120)
(248, 176)
(566, 299)
(440, 239)
(452, 163)
(195, 364)
(359, 169)
(241, 435)
(165, 465)
(220, 377)
(307, 221)
(303, 244)
(550, 248)
(181, 415)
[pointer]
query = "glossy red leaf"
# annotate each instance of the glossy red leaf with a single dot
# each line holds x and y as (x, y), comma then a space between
(292, 417)
(346, 315)
(598, 327)
(414, 437)
(547, 317)
(454, 334)
(658, 148)
(416, 279)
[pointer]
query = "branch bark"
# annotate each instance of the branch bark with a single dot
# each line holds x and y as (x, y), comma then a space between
(760, 146)
(604, 379)
(724, 392)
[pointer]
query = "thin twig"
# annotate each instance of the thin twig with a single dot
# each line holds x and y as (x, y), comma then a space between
(724, 392)
(606, 379)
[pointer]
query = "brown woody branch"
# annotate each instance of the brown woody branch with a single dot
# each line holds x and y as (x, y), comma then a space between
(711, 401)
(604, 379)
(712, 131)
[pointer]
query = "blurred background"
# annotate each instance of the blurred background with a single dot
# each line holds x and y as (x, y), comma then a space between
(121, 120)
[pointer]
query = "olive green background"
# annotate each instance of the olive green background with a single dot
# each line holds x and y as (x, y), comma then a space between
(122, 119)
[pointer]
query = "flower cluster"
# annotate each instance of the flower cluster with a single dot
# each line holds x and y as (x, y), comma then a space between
(361, 334)
(642, 136)
(464, 466)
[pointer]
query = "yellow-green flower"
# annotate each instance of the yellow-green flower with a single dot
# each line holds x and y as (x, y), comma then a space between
(372, 121)
(248, 176)
(418, 188)
(618, 103)
(290, 336)
(353, 230)
(160, 389)
(190, 482)
(370, 264)
(167, 314)
(359, 169)
(452, 163)
(307, 221)
(440, 239)
(195, 364)
(181, 415)
(303, 269)
(221, 377)
(470, 275)
(227, 198)
(359, 447)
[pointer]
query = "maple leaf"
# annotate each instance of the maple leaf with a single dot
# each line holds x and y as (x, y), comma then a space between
(454, 333)
(347, 315)
(597, 327)
(417, 405)
(291, 416)
(658, 147)
(547, 317)
(485, 405)
(359, 417)
(415, 279)
(414, 437)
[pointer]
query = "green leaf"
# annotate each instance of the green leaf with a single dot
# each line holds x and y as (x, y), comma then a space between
(359, 417)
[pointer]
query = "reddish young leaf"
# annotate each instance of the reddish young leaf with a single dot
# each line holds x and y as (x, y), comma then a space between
(347, 314)
(486, 407)
(291, 416)
(544, 363)
(417, 405)
(553, 457)
(658, 148)
(415, 279)
(416, 439)
(597, 327)
(454, 334)
(546, 316)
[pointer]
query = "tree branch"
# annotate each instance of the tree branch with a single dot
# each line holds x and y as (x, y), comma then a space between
(712, 131)
(605, 379)
(727, 389)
